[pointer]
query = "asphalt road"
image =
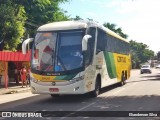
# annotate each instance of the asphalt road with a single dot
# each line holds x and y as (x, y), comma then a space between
(141, 93)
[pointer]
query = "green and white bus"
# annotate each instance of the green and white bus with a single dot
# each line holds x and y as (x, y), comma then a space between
(77, 57)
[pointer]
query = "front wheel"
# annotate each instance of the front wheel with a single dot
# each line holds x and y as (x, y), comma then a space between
(96, 92)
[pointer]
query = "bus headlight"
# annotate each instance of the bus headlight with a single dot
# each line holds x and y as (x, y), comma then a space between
(34, 80)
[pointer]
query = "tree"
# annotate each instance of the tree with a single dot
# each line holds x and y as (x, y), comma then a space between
(11, 29)
(40, 12)
(140, 53)
(18, 18)
(158, 55)
(77, 18)
(116, 30)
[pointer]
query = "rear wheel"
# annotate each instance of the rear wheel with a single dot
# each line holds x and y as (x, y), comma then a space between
(123, 79)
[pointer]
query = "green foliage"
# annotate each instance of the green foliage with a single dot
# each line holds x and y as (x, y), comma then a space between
(140, 53)
(116, 30)
(158, 56)
(18, 18)
(40, 12)
(77, 18)
(11, 29)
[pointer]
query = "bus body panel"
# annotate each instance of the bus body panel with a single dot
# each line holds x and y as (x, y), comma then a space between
(113, 65)
(110, 66)
(116, 64)
(104, 72)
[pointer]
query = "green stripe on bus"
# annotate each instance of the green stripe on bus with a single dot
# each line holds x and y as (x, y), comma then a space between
(60, 77)
(65, 77)
(111, 68)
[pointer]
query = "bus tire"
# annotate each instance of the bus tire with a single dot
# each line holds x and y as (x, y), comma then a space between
(96, 92)
(123, 79)
(55, 95)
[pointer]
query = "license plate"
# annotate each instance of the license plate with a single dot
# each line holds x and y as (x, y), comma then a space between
(53, 89)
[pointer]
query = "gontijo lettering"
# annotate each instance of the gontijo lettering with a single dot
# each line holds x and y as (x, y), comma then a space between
(121, 59)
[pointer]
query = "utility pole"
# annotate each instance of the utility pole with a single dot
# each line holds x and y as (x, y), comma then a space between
(28, 44)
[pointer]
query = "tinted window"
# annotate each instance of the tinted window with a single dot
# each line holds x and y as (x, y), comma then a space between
(101, 41)
(91, 43)
(117, 46)
(69, 55)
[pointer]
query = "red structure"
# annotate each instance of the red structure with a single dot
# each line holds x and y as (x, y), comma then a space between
(16, 57)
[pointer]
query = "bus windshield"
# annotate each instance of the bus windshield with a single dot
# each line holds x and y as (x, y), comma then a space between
(57, 51)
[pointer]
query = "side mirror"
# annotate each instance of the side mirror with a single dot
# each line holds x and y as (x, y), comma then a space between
(85, 42)
(24, 44)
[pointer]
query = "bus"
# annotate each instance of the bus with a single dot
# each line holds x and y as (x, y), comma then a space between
(77, 57)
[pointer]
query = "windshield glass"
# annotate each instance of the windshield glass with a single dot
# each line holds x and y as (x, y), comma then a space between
(43, 51)
(57, 51)
(69, 54)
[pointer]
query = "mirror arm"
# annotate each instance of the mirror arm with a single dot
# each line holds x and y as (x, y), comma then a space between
(85, 42)
(24, 44)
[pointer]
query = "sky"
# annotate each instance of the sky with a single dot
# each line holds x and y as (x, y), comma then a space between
(139, 19)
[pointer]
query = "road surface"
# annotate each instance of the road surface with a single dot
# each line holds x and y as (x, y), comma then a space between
(141, 93)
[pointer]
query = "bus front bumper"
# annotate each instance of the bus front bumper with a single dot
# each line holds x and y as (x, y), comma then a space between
(74, 88)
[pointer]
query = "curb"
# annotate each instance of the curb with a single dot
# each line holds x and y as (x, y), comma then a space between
(11, 91)
(24, 90)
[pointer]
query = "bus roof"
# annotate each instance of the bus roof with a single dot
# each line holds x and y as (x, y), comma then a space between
(63, 25)
(70, 25)
(114, 34)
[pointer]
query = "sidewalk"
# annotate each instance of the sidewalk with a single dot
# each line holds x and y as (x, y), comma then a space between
(14, 89)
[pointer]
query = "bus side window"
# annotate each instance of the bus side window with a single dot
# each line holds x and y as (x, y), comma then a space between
(91, 43)
(101, 41)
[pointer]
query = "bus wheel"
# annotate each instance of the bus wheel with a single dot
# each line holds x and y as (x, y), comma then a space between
(123, 80)
(96, 92)
(54, 95)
